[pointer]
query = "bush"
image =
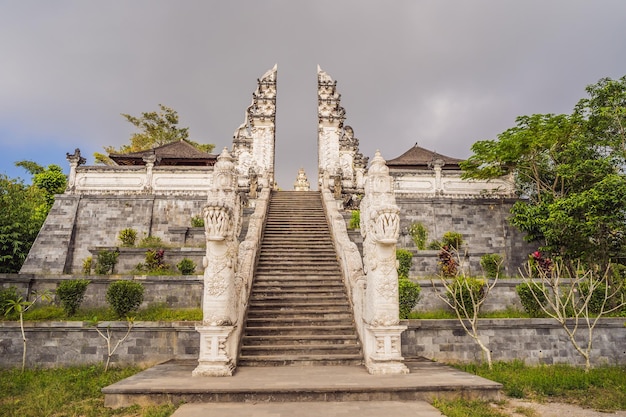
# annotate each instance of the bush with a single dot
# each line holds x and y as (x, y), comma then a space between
(186, 266)
(106, 262)
(529, 302)
(409, 292)
(405, 259)
(128, 237)
(197, 221)
(87, 265)
(419, 234)
(151, 242)
(492, 264)
(124, 297)
(355, 220)
(463, 290)
(71, 294)
(447, 262)
(434, 245)
(453, 240)
(6, 295)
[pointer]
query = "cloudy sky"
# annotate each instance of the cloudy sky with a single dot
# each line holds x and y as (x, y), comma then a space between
(441, 73)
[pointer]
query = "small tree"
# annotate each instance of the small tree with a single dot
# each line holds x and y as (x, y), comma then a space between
(20, 306)
(128, 237)
(491, 264)
(71, 294)
(570, 301)
(108, 337)
(106, 261)
(419, 234)
(405, 260)
(186, 266)
(124, 297)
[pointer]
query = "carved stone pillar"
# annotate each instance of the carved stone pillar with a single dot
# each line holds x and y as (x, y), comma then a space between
(149, 160)
(222, 224)
(75, 160)
(437, 165)
(380, 222)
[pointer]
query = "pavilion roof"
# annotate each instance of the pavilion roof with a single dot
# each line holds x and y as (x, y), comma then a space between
(173, 153)
(421, 158)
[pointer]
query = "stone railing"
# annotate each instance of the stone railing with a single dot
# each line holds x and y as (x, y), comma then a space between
(105, 180)
(247, 257)
(450, 185)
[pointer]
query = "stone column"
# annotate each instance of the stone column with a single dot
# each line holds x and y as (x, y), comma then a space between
(75, 160)
(222, 223)
(380, 222)
(149, 160)
(437, 165)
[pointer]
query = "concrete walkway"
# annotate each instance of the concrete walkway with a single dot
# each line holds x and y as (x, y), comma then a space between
(311, 409)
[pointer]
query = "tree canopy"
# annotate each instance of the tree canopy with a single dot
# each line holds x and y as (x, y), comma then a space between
(24, 209)
(570, 170)
(155, 129)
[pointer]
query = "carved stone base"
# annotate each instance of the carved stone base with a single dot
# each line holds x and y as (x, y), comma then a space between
(386, 357)
(213, 359)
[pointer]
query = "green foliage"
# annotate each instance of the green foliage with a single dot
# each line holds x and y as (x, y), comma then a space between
(419, 234)
(154, 263)
(124, 297)
(127, 237)
(409, 293)
(186, 266)
(405, 260)
(197, 221)
(151, 242)
(7, 296)
(463, 407)
(492, 264)
(465, 293)
(453, 240)
(601, 388)
(571, 169)
(155, 129)
(106, 261)
(447, 261)
(71, 294)
(51, 181)
(355, 220)
(435, 245)
(531, 305)
(87, 265)
(23, 211)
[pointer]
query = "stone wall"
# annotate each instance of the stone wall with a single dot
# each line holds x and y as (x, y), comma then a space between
(532, 340)
(535, 341)
(483, 222)
(176, 291)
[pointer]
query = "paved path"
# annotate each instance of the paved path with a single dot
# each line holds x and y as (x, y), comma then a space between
(311, 409)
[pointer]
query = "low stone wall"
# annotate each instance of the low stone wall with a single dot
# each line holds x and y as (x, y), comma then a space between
(501, 297)
(534, 341)
(176, 291)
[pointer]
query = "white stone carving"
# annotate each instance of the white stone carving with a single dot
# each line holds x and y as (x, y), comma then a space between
(222, 223)
(380, 222)
(302, 183)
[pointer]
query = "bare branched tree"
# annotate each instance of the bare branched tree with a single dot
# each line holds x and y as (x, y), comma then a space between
(573, 302)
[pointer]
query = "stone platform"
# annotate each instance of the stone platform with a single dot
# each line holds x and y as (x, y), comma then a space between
(172, 382)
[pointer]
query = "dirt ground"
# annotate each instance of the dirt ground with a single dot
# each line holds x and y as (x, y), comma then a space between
(522, 408)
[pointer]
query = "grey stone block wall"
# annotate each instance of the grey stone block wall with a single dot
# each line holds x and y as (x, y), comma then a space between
(534, 341)
(502, 296)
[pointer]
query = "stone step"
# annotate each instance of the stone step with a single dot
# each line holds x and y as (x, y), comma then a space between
(301, 360)
(300, 330)
(317, 321)
(301, 306)
(284, 266)
(296, 292)
(339, 313)
(348, 339)
(255, 351)
(266, 284)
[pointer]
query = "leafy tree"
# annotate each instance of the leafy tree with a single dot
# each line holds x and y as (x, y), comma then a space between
(21, 217)
(155, 129)
(570, 169)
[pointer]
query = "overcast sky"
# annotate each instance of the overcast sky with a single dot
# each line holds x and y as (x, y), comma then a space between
(441, 73)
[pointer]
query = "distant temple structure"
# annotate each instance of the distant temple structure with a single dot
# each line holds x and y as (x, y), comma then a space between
(302, 183)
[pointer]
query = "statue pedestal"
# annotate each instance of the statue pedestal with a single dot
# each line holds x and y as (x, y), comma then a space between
(386, 358)
(213, 359)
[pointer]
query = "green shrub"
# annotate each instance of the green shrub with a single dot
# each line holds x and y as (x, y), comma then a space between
(6, 295)
(186, 266)
(492, 264)
(87, 265)
(405, 259)
(355, 220)
(529, 302)
(453, 240)
(124, 297)
(434, 245)
(409, 294)
(151, 242)
(128, 237)
(419, 234)
(447, 261)
(71, 294)
(106, 261)
(464, 290)
(197, 221)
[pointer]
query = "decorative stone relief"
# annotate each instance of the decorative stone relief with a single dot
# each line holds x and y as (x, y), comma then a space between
(380, 222)
(302, 183)
(75, 160)
(222, 224)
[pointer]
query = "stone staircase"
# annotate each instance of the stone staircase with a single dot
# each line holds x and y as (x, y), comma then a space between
(299, 313)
